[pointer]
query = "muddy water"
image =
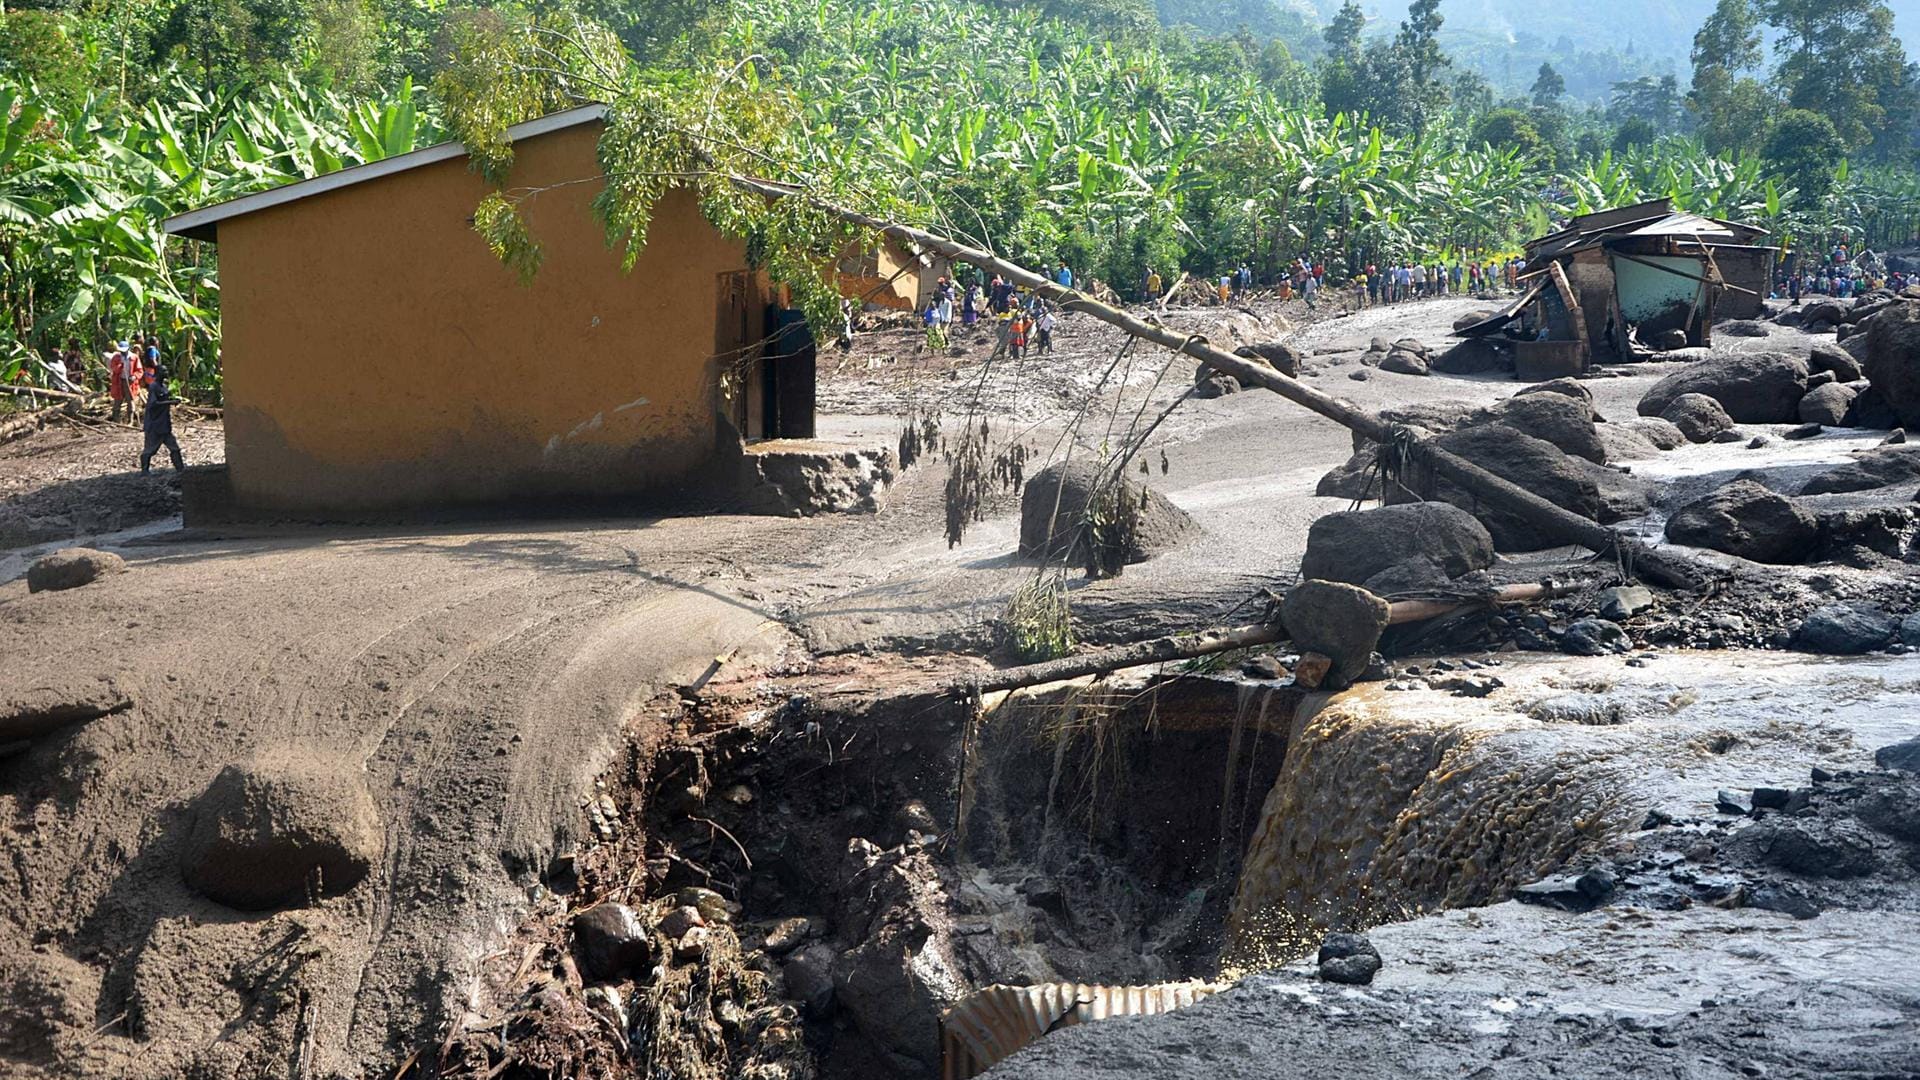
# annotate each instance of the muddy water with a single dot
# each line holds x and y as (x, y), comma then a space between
(1393, 803)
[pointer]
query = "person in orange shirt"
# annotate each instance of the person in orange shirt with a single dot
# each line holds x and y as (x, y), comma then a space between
(1017, 334)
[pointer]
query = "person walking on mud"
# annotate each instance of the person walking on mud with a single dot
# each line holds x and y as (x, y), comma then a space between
(1043, 332)
(159, 424)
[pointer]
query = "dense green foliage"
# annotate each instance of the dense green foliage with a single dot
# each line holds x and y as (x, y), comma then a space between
(1075, 129)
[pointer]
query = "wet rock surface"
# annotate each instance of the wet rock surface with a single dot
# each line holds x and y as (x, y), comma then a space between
(1753, 388)
(1354, 546)
(1745, 519)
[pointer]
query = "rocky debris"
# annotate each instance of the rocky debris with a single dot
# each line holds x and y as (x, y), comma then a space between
(1853, 534)
(1895, 437)
(1277, 355)
(1846, 630)
(1471, 318)
(1902, 756)
(1410, 576)
(1406, 361)
(1669, 340)
(1358, 478)
(1594, 637)
(1662, 433)
(1893, 343)
(1699, 417)
(1474, 356)
(809, 979)
(1354, 546)
(1832, 312)
(1741, 328)
(51, 705)
(1816, 848)
(902, 967)
(1753, 388)
(1836, 361)
(1339, 621)
(1804, 431)
(1569, 892)
(280, 830)
(1054, 512)
(1827, 404)
(1625, 443)
(1348, 959)
(612, 940)
(1879, 467)
(685, 929)
(788, 935)
(1747, 520)
(1624, 601)
(70, 568)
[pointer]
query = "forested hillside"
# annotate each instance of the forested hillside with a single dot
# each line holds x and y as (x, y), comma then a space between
(1070, 128)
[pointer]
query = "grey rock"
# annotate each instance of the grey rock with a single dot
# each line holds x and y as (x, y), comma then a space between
(1594, 637)
(1827, 404)
(1879, 467)
(1753, 388)
(1901, 756)
(1893, 360)
(1349, 959)
(1804, 431)
(1745, 519)
(1624, 601)
(70, 568)
(809, 979)
(1731, 435)
(612, 940)
(1278, 355)
(1415, 575)
(1662, 433)
(1569, 387)
(1845, 630)
(1533, 464)
(277, 830)
(1836, 848)
(1564, 420)
(1699, 417)
(1054, 510)
(1910, 629)
(1732, 802)
(1474, 356)
(1353, 546)
(1342, 622)
(1216, 385)
(1871, 410)
(788, 935)
(1404, 362)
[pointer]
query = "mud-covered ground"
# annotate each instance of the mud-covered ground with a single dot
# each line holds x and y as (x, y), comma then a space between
(488, 683)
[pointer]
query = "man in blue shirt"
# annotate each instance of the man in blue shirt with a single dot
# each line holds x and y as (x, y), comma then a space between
(1062, 276)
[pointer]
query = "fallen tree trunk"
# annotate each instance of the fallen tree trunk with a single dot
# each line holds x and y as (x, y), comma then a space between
(32, 422)
(1665, 567)
(1188, 646)
(37, 391)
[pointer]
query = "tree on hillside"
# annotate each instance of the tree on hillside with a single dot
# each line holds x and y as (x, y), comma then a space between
(1342, 34)
(1729, 106)
(1548, 87)
(1655, 100)
(1804, 148)
(1505, 129)
(1840, 58)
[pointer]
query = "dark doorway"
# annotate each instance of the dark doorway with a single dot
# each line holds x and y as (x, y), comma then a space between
(787, 374)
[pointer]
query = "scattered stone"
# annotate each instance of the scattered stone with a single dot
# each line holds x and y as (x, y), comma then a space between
(1568, 387)
(1361, 374)
(1878, 467)
(279, 830)
(70, 568)
(1742, 328)
(1576, 893)
(1404, 362)
(1731, 435)
(1472, 318)
(713, 908)
(788, 935)
(1216, 385)
(1354, 546)
(1731, 802)
(1753, 388)
(1624, 601)
(675, 924)
(1900, 756)
(1827, 311)
(1053, 513)
(914, 816)
(1474, 356)
(1277, 355)
(1759, 442)
(1594, 637)
(1783, 899)
(1340, 621)
(1896, 437)
(1745, 519)
(1532, 463)
(1264, 667)
(1311, 670)
(1771, 798)
(1564, 420)
(809, 979)
(1669, 340)
(1804, 431)
(1845, 630)
(1348, 959)
(1466, 684)
(612, 940)
(1827, 404)
(1699, 417)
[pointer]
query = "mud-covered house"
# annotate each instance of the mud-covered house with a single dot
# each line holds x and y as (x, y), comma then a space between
(377, 356)
(1642, 277)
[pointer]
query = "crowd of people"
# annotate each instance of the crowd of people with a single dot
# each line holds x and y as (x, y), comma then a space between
(1026, 320)
(136, 383)
(1840, 273)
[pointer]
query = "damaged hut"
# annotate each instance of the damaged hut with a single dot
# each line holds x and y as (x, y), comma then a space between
(377, 356)
(1630, 279)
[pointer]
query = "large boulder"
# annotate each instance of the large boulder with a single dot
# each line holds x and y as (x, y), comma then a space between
(1356, 545)
(1405, 362)
(1054, 505)
(1563, 420)
(278, 830)
(70, 568)
(1754, 388)
(1357, 479)
(1472, 318)
(1659, 431)
(1698, 417)
(1833, 358)
(1846, 630)
(1827, 404)
(1827, 311)
(1627, 443)
(1879, 467)
(1870, 410)
(1341, 622)
(1745, 519)
(1534, 464)
(1893, 360)
(1569, 387)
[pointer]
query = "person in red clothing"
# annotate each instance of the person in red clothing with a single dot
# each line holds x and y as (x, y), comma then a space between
(123, 374)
